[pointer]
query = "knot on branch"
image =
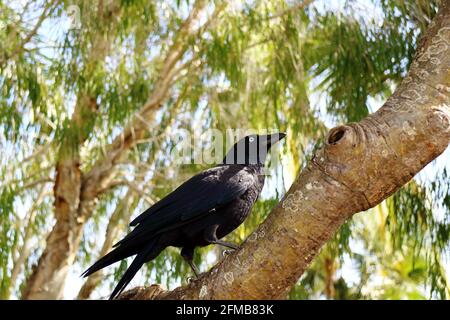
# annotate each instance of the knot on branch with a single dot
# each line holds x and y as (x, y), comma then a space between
(335, 135)
(348, 155)
(344, 145)
(439, 118)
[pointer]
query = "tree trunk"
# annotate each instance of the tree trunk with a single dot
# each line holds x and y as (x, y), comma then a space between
(48, 277)
(76, 192)
(360, 165)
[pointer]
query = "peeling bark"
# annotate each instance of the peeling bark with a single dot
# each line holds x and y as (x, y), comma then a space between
(360, 165)
(47, 278)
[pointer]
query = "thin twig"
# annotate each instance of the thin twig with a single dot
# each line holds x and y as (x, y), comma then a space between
(24, 251)
(299, 6)
(45, 14)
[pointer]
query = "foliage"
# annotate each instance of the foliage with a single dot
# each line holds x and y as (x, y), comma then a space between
(253, 64)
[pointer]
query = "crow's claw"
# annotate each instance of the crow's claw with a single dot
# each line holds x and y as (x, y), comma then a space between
(227, 252)
(191, 279)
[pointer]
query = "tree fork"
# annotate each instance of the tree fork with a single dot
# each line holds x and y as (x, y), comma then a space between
(76, 192)
(48, 276)
(359, 166)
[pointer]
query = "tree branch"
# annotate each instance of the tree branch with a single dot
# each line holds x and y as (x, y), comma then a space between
(102, 171)
(47, 279)
(360, 165)
(33, 184)
(25, 248)
(299, 6)
(45, 14)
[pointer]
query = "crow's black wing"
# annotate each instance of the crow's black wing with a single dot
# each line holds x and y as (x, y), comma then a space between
(196, 197)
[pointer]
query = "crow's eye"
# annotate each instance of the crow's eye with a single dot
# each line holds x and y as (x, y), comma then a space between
(251, 139)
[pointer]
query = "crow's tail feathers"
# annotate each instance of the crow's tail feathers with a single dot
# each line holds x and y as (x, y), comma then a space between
(117, 254)
(150, 252)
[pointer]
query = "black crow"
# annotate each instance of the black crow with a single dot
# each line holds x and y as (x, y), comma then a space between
(199, 212)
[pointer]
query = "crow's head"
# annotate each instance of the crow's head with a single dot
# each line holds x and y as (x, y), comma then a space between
(252, 149)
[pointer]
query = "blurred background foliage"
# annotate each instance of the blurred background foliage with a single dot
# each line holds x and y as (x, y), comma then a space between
(294, 66)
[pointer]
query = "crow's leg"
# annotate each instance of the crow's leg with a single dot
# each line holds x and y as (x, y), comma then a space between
(188, 254)
(211, 237)
(226, 244)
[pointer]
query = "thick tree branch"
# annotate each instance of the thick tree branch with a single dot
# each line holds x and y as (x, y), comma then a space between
(360, 165)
